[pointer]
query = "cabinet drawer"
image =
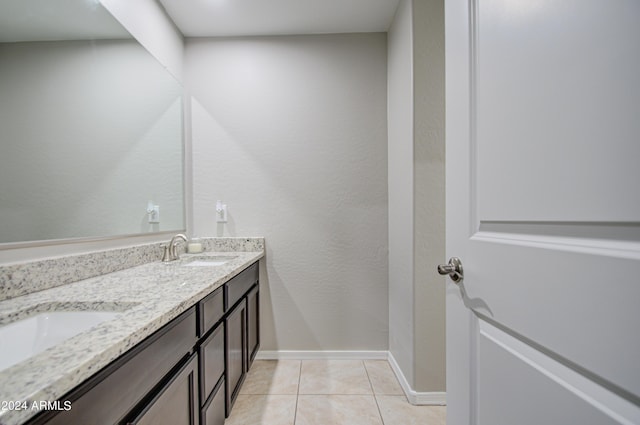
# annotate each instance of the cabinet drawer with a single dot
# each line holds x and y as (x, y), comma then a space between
(213, 411)
(210, 311)
(176, 403)
(239, 285)
(211, 361)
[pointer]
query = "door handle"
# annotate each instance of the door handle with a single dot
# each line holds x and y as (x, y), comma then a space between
(453, 269)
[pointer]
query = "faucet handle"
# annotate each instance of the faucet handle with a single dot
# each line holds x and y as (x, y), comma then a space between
(166, 253)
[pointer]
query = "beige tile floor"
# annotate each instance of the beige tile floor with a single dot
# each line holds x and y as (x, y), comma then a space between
(327, 392)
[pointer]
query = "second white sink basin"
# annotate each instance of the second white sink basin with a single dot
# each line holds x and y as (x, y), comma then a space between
(27, 337)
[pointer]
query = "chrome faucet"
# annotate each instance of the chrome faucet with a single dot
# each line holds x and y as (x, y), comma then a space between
(171, 250)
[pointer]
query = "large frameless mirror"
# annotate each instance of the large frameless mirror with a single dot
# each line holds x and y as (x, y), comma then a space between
(91, 127)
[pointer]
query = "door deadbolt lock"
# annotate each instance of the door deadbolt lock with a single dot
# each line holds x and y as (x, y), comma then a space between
(453, 269)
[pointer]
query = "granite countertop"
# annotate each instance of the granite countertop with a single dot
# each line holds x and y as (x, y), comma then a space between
(149, 296)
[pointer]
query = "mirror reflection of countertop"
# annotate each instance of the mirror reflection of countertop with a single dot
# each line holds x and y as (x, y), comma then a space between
(146, 297)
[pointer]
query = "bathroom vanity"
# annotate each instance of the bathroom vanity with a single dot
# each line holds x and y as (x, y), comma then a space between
(177, 357)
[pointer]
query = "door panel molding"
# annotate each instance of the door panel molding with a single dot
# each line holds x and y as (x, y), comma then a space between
(610, 239)
(618, 231)
(607, 401)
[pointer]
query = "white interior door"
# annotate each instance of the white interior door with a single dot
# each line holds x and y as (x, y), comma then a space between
(543, 208)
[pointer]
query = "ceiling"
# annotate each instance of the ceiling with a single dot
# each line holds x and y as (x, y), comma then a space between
(43, 20)
(225, 18)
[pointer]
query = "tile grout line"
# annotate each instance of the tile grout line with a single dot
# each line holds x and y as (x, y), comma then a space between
(295, 412)
(366, 371)
(375, 398)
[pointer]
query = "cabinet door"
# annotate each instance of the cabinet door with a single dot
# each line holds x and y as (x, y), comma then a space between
(213, 413)
(211, 356)
(253, 324)
(176, 403)
(235, 350)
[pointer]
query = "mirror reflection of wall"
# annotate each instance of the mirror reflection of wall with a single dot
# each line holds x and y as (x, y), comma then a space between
(91, 131)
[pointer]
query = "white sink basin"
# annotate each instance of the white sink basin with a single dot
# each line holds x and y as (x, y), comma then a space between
(209, 261)
(27, 337)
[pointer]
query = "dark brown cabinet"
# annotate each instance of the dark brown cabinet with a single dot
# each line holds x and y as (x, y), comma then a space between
(213, 412)
(241, 329)
(176, 403)
(228, 346)
(238, 287)
(253, 324)
(235, 351)
(124, 386)
(187, 373)
(211, 354)
(212, 365)
(210, 311)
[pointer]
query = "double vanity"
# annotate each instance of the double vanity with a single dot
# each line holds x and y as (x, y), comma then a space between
(157, 343)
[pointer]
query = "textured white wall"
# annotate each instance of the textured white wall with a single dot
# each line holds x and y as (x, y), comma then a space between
(429, 149)
(416, 193)
(401, 186)
(290, 132)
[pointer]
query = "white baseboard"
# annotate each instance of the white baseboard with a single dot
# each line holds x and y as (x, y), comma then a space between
(321, 355)
(435, 398)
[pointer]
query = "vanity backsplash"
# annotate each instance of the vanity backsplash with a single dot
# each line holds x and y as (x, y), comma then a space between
(18, 279)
